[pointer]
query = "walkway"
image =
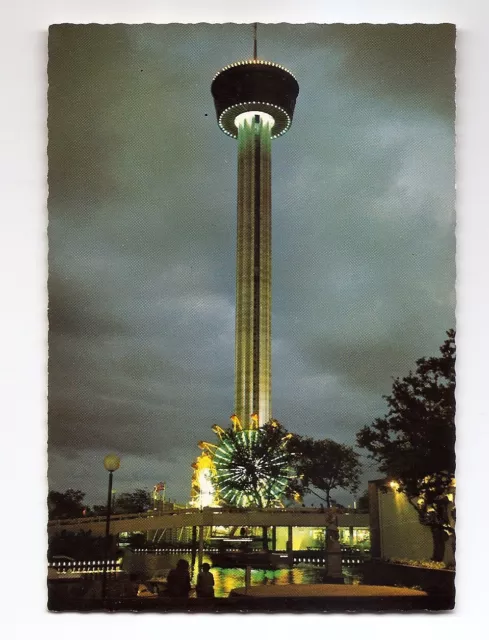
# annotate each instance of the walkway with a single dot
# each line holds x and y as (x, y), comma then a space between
(210, 518)
(325, 591)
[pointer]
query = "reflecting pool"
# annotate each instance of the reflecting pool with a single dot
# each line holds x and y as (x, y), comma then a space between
(227, 579)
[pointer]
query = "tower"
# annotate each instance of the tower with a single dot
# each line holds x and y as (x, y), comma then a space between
(254, 102)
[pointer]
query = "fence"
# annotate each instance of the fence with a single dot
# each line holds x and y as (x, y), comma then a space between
(84, 566)
(310, 556)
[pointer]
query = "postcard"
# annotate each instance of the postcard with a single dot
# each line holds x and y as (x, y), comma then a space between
(251, 317)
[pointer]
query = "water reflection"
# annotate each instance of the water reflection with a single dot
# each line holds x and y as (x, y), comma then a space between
(227, 579)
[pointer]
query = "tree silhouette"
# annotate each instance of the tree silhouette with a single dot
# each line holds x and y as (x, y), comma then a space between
(136, 501)
(414, 443)
(325, 465)
(67, 504)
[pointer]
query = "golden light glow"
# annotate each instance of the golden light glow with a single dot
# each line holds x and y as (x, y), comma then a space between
(394, 485)
(203, 493)
(112, 462)
(218, 430)
(206, 445)
(204, 461)
(254, 421)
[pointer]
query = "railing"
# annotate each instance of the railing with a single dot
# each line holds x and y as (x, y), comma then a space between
(84, 566)
(176, 550)
(317, 557)
(309, 556)
(117, 516)
(189, 511)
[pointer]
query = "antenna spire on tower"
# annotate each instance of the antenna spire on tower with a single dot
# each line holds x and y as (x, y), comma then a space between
(255, 57)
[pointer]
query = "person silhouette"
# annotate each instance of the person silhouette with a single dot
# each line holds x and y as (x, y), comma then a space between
(178, 581)
(205, 582)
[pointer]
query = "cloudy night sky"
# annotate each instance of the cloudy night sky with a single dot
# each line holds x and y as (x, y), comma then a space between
(142, 224)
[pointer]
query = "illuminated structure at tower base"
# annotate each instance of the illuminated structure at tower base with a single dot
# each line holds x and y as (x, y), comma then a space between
(245, 468)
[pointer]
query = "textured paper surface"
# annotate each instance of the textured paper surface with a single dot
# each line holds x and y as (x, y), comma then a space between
(142, 224)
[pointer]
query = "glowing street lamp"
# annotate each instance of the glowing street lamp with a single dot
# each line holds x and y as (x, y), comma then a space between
(111, 463)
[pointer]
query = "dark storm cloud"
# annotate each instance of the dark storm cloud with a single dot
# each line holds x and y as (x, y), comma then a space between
(142, 202)
(413, 64)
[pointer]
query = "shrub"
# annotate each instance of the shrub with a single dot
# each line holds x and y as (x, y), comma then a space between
(425, 564)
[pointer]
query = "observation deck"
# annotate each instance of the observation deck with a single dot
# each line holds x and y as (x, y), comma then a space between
(254, 85)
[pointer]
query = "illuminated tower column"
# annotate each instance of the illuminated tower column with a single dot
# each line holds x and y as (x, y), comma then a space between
(255, 102)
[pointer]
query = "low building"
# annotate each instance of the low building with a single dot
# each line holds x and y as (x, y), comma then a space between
(353, 530)
(395, 529)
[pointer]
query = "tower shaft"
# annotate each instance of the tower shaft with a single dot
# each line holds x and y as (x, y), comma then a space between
(255, 102)
(253, 269)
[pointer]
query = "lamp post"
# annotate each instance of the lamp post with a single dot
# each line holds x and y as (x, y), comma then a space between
(111, 463)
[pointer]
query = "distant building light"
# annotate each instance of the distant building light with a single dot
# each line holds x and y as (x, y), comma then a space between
(235, 539)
